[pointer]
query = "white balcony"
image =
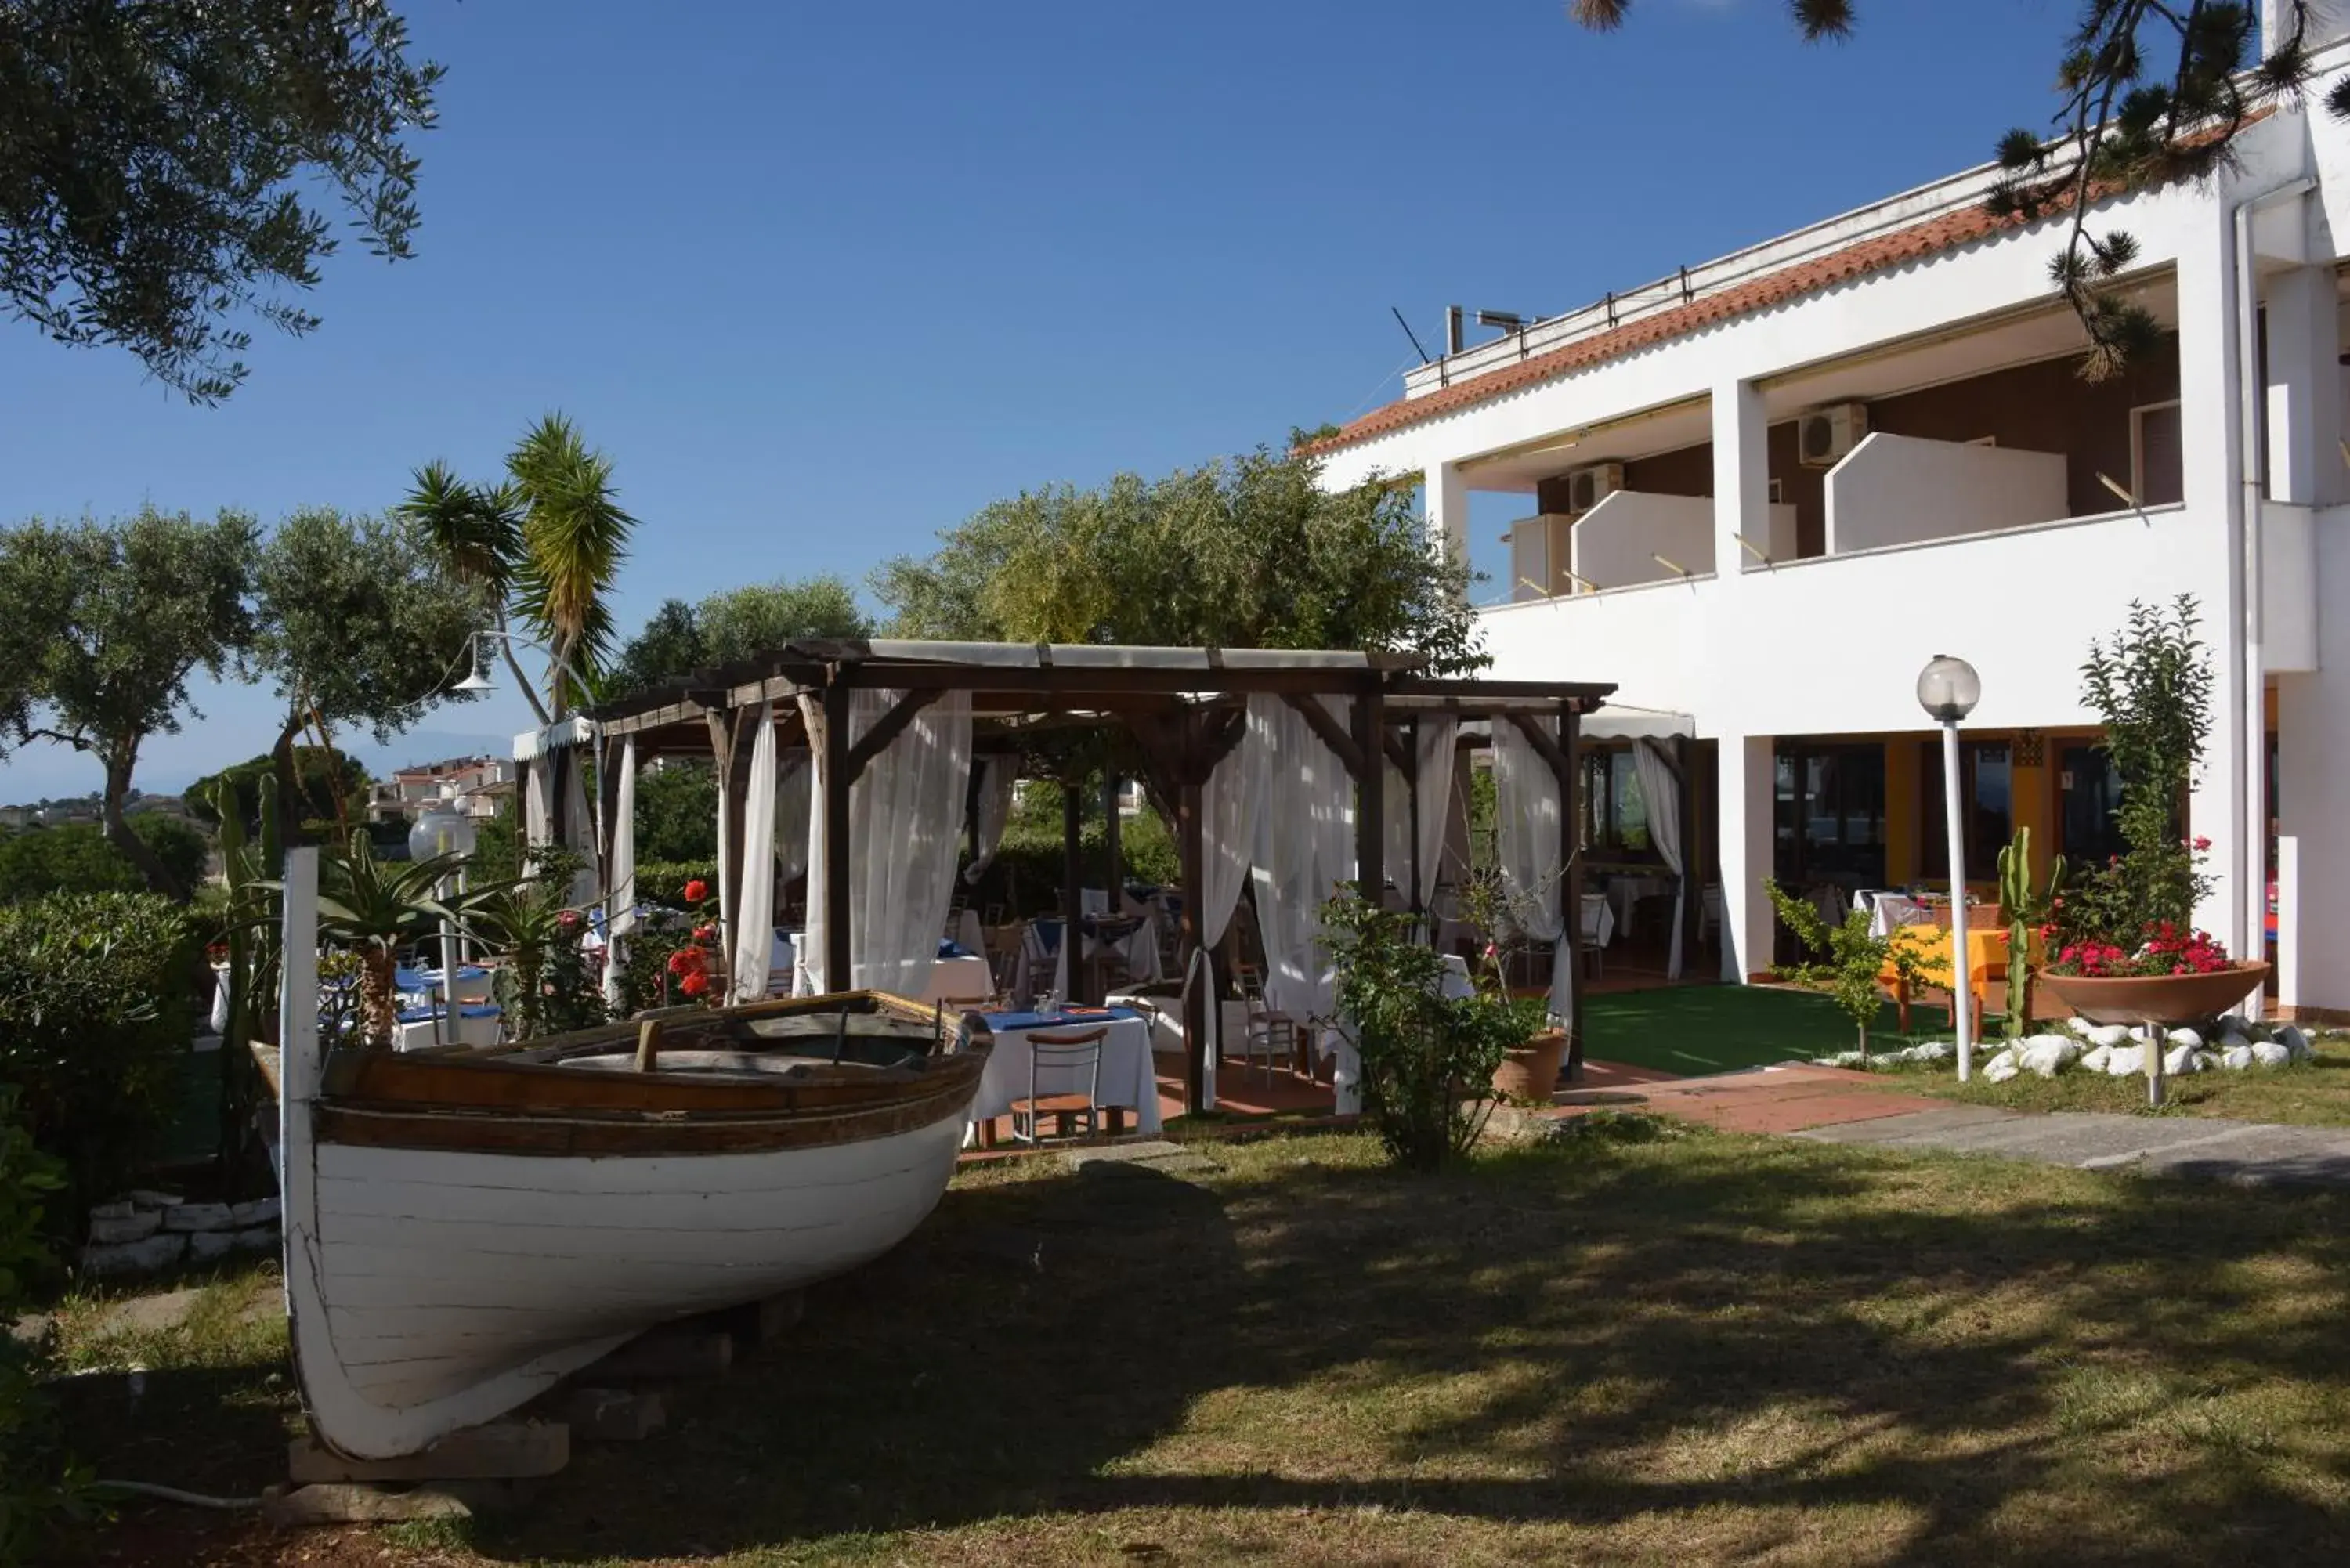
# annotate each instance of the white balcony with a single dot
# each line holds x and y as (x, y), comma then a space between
(1832, 644)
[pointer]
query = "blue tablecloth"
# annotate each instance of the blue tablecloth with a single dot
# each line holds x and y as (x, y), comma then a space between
(406, 978)
(997, 1023)
(949, 949)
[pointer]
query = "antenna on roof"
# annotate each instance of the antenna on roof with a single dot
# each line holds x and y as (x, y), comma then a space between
(1408, 332)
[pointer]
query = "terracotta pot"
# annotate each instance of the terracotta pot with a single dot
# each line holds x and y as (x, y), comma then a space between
(2164, 999)
(1530, 1070)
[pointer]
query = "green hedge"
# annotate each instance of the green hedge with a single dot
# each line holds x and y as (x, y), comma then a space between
(75, 858)
(97, 1004)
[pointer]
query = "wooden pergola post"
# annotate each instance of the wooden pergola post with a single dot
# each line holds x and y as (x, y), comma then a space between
(1072, 877)
(1113, 856)
(837, 780)
(1370, 792)
(1191, 836)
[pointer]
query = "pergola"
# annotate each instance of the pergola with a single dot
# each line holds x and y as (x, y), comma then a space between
(1186, 709)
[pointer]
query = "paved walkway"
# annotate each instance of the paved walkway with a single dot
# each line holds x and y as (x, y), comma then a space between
(1830, 1105)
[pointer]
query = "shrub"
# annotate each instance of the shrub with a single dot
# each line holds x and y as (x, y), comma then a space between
(96, 1002)
(1428, 1060)
(76, 857)
(37, 1479)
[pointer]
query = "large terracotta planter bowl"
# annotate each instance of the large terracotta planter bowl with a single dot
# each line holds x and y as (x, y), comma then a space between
(1531, 1072)
(2164, 999)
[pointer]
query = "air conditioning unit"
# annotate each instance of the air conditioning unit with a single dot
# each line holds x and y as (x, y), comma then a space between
(1824, 436)
(1587, 487)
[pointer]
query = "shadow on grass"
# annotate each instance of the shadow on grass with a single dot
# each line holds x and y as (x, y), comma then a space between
(1769, 1337)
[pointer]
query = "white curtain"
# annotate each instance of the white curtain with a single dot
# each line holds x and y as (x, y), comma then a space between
(792, 817)
(754, 930)
(620, 874)
(1436, 751)
(1395, 832)
(580, 824)
(1231, 803)
(1662, 795)
(997, 777)
(905, 819)
(1304, 847)
(537, 806)
(1528, 831)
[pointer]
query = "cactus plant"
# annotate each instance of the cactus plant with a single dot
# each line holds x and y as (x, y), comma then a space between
(2024, 911)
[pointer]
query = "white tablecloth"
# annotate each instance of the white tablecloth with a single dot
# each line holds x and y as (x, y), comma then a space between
(966, 979)
(1126, 1078)
(1889, 912)
(1456, 978)
(964, 930)
(1599, 920)
(1624, 892)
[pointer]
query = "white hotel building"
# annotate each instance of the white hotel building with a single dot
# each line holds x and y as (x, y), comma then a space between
(1763, 492)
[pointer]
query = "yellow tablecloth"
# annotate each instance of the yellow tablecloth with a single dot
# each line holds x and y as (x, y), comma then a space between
(1986, 954)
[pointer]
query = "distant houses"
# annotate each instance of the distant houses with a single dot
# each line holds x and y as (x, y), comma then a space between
(471, 786)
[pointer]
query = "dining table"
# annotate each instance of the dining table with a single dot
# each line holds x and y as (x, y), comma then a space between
(1127, 1082)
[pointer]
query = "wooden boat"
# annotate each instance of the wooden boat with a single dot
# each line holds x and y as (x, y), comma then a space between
(467, 1227)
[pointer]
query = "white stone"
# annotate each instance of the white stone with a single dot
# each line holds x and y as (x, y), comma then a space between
(2180, 1059)
(2270, 1053)
(205, 1246)
(115, 1231)
(145, 1198)
(2048, 1054)
(260, 1212)
(2292, 1038)
(1932, 1051)
(2236, 1058)
(2124, 1060)
(2186, 1037)
(157, 1252)
(198, 1217)
(2002, 1067)
(2108, 1035)
(2094, 1060)
(121, 1208)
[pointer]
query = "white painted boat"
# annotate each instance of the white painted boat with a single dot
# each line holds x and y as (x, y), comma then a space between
(465, 1228)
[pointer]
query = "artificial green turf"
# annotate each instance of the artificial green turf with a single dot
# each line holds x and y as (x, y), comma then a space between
(1698, 1029)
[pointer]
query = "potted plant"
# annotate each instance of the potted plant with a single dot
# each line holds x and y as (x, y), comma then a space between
(2121, 939)
(1532, 1043)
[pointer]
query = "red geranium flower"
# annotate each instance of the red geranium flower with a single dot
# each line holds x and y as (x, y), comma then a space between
(696, 890)
(695, 984)
(2201, 843)
(704, 933)
(684, 960)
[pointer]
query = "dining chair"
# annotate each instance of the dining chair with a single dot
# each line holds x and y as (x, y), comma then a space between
(1266, 1033)
(1061, 1058)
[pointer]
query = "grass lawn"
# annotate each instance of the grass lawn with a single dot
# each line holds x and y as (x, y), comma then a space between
(1698, 1349)
(1698, 1029)
(2316, 1093)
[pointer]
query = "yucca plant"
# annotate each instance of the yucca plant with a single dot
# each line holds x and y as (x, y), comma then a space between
(543, 983)
(375, 908)
(545, 544)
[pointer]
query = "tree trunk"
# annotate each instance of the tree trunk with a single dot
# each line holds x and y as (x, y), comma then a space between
(291, 827)
(529, 692)
(379, 983)
(160, 878)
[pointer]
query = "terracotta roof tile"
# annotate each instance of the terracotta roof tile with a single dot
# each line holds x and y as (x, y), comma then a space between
(1882, 253)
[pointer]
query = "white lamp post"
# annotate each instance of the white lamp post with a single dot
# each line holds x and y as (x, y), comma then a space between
(1949, 688)
(439, 831)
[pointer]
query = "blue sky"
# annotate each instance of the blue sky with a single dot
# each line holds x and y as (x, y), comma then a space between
(824, 279)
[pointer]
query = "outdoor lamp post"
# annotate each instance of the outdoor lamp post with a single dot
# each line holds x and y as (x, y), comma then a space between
(439, 831)
(1949, 688)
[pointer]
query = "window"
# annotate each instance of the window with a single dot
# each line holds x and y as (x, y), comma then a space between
(2088, 789)
(1615, 812)
(1829, 815)
(2156, 478)
(1987, 788)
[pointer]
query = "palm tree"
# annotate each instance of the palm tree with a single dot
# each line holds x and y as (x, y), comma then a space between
(545, 544)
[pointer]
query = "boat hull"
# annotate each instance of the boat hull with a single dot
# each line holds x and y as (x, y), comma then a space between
(455, 1286)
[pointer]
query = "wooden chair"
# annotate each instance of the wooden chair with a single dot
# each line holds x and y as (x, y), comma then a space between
(1267, 1035)
(1060, 1054)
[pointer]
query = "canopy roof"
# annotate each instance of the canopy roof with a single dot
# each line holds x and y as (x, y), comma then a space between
(1019, 687)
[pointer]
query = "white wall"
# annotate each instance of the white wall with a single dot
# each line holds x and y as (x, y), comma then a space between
(1905, 490)
(2313, 827)
(2289, 573)
(1617, 542)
